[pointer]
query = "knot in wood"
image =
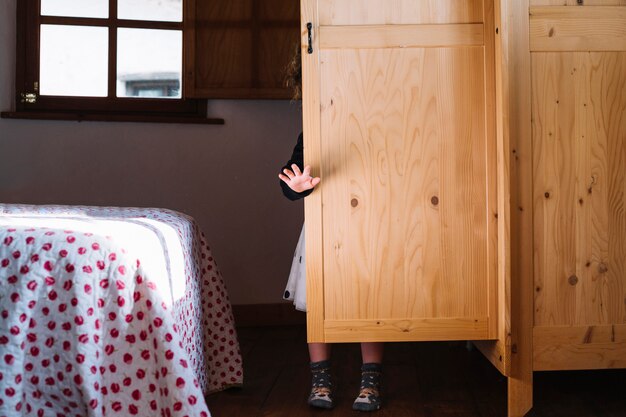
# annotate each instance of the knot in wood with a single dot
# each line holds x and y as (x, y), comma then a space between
(602, 268)
(573, 280)
(434, 200)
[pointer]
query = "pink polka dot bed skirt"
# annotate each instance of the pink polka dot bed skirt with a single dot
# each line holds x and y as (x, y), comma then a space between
(108, 311)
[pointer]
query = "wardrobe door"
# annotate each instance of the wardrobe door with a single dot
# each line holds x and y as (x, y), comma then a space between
(579, 157)
(399, 122)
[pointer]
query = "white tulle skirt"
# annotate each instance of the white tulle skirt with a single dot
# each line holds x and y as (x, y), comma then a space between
(296, 285)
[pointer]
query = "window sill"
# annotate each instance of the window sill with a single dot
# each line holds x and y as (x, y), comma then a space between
(110, 117)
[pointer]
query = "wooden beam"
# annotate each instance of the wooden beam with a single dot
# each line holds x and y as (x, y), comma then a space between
(430, 329)
(346, 12)
(312, 156)
(563, 28)
(576, 3)
(401, 36)
(579, 347)
(516, 52)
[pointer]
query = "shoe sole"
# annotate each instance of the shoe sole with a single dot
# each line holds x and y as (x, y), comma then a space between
(365, 407)
(321, 404)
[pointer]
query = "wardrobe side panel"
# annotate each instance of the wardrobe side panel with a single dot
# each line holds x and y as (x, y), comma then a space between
(579, 142)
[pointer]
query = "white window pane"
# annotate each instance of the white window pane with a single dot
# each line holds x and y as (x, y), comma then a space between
(73, 61)
(149, 62)
(159, 10)
(75, 8)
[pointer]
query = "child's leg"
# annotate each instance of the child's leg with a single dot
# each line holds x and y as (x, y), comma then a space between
(369, 395)
(319, 351)
(321, 384)
(372, 352)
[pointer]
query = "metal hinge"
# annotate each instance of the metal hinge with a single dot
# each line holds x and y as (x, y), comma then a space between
(31, 98)
(309, 28)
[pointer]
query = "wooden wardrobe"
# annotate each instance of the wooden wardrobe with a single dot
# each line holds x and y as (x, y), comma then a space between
(473, 164)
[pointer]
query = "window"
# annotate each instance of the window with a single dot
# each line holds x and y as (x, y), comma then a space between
(103, 60)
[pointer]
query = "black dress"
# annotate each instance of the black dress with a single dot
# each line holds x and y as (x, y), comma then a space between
(296, 285)
(297, 157)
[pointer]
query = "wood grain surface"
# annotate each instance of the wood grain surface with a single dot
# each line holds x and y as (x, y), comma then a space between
(575, 3)
(396, 12)
(601, 28)
(579, 347)
(579, 120)
(408, 165)
(405, 210)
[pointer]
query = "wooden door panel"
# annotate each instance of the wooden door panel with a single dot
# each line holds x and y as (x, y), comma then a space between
(404, 198)
(402, 234)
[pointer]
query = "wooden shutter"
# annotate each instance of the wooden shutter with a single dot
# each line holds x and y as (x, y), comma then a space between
(239, 48)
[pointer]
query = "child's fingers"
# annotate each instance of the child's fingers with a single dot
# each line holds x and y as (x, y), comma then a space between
(307, 171)
(283, 177)
(296, 169)
(315, 181)
(288, 173)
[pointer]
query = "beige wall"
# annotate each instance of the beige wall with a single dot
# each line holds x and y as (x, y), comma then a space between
(223, 176)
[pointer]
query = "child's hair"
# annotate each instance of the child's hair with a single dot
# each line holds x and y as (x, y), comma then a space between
(293, 73)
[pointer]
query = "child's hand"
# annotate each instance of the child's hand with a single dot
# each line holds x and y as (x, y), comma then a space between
(299, 181)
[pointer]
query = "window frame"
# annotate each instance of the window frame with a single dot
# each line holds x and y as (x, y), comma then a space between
(29, 21)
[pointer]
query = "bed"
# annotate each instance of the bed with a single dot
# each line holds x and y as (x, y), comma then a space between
(110, 311)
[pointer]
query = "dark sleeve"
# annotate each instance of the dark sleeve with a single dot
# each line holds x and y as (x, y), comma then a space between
(297, 157)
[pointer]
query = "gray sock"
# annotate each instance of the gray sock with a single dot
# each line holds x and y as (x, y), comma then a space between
(369, 395)
(321, 385)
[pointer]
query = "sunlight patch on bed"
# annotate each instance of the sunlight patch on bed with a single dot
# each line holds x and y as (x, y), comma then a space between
(156, 245)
